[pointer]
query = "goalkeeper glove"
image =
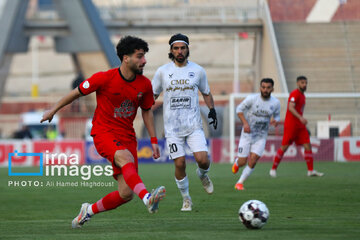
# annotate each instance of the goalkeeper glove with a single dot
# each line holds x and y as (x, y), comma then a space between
(212, 115)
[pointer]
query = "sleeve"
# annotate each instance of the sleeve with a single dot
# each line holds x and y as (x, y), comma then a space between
(203, 83)
(293, 97)
(157, 83)
(148, 97)
(277, 112)
(92, 84)
(245, 105)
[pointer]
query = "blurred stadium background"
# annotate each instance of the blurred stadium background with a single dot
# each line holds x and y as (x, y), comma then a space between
(48, 46)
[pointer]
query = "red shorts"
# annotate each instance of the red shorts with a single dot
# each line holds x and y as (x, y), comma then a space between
(293, 134)
(108, 143)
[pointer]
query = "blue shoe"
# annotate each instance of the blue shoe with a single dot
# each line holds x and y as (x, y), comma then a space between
(154, 197)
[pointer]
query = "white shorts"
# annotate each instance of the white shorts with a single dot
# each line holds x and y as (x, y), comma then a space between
(247, 145)
(196, 141)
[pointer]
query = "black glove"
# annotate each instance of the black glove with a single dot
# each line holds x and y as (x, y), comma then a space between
(212, 115)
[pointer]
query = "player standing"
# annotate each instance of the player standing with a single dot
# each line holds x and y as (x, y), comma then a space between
(295, 129)
(119, 93)
(256, 113)
(181, 80)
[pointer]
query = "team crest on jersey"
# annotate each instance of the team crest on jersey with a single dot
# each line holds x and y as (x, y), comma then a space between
(125, 110)
(140, 96)
(170, 75)
(191, 74)
(86, 84)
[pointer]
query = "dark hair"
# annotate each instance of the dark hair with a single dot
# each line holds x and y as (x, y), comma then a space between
(301, 78)
(128, 44)
(179, 37)
(267, 80)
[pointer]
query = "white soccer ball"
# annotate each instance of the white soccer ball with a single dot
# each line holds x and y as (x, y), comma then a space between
(254, 214)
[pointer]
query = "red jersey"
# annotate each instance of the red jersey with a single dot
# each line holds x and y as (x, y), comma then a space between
(117, 101)
(298, 98)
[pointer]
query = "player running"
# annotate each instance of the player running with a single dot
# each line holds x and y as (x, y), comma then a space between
(255, 112)
(295, 129)
(119, 93)
(181, 80)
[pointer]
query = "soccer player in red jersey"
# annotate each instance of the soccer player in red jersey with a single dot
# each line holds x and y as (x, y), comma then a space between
(119, 93)
(295, 129)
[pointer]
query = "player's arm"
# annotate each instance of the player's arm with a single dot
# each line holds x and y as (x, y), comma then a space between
(148, 118)
(209, 101)
(296, 114)
(157, 84)
(276, 116)
(70, 97)
(241, 108)
(246, 125)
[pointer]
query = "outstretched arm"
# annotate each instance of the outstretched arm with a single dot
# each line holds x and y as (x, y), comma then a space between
(71, 96)
(148, 118)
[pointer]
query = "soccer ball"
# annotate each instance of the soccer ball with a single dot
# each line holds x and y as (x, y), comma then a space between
(254, 214)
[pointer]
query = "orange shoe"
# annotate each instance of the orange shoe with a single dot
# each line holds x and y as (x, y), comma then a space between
(235, 168)
(239, 186)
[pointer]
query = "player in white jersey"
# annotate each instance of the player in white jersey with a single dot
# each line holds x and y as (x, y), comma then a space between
(180, 80)
(256, 112)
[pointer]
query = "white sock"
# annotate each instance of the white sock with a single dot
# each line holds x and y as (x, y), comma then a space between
(245, 174)
(183, 186)
(146, 198)
(89, 210)
(202, 172)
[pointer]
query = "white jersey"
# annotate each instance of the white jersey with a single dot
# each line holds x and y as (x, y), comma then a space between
(181, 99)
(258, 113)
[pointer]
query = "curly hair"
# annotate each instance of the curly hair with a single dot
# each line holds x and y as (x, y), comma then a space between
(128, 44)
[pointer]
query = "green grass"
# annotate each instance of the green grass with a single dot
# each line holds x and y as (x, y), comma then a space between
(300, 207)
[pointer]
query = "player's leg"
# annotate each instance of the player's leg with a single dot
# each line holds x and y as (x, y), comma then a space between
(248, 169)
(108, 202)
(256, 150)
(309, 159)
(177, 153)
(240, 162)
(277, 159)
(197, 144)
(243, 153)
(288, 138)
(122, 153)
(125, 160)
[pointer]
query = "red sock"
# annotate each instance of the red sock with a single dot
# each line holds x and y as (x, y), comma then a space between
(277, 159)
(133, 180)
(110, 201)
(309, 159)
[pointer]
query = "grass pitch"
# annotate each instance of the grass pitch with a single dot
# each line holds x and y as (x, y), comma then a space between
(300, 207)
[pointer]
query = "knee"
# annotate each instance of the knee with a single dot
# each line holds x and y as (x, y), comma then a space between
(202, 160)
(180, 164)
(122, 157)
(127, 196)
(241, 161)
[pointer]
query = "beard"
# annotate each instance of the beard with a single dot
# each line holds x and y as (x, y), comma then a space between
(137, 70)
(265, 95)
(180, 59)
(303, 89)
